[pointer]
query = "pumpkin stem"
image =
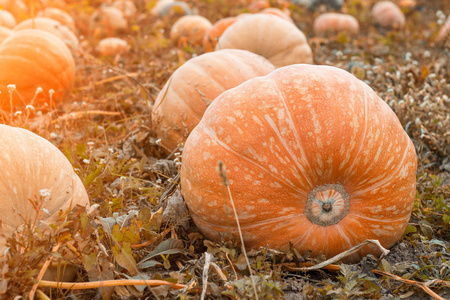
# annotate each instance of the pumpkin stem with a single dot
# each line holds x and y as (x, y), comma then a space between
(327, 204)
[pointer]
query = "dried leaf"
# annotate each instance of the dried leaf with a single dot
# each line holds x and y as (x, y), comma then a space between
(124, 257)
(169, 246)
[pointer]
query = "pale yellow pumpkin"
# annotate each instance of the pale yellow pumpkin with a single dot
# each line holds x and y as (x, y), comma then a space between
(33, 169)
(280, 41)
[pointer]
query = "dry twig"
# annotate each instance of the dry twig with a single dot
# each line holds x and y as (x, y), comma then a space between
(422, 285)
(340, 256)
(105, 283)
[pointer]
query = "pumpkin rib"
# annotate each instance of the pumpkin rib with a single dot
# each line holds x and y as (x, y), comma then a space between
(227, 147)
(363, 139)
(379, 220)
(297, 137)
(384, 180)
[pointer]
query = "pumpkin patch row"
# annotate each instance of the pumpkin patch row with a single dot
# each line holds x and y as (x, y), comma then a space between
(313, 158)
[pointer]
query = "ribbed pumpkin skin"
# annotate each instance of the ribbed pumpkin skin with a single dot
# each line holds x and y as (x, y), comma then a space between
(4, 33)
(285, 136)
(31, 58)
(332, 23)
(30, 163)
(192, 87)
(280, 41)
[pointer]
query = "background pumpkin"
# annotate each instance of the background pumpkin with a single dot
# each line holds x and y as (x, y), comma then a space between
(7, 19)
(192, 87)
(332, 23)
(127, 7)
(59, 15)
(52, 26)
(388, 15)
(277, 12)
(191, 28)
(165, 8)
(107, 21)
(280, 41)
(34, 58)
(112, 46)
(16, 7)
(213, 34)
(31, 168)
(313, 157)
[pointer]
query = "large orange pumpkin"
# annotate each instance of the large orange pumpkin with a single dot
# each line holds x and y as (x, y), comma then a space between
(34, 171)
(280, 41)
(34, 58)
(313, 157)
(192, 87)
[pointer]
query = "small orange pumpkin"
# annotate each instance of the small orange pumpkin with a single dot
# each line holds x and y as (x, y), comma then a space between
(54, 27)
(213, 34)
(7, 19)
(165, 8)
(112, 46)
(107, 21)
(313, 157)
(127, 7)
(191, 28)
(33, 58)
(280, 41)
(388, 15)
(59, 15)
(192, 87)
(332, 23)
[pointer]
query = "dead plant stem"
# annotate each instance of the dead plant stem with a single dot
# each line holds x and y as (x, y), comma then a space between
(223, 175)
